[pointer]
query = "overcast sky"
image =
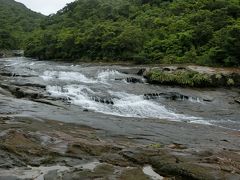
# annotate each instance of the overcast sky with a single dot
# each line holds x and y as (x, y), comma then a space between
(45, 6)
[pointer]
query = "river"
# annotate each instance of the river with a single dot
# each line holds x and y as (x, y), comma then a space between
(102, 92)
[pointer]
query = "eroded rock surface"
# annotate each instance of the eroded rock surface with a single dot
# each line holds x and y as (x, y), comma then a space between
(53, 150)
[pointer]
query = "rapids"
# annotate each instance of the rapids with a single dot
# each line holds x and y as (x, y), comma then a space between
(105, 90)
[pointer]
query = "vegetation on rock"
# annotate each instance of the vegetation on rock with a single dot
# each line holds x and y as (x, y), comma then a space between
(183, 78)
(190, 78)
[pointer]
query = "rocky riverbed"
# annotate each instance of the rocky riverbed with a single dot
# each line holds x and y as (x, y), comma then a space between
(53, 126)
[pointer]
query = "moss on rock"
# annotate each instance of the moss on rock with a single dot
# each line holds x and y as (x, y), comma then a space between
(182, 78)
(191, 78)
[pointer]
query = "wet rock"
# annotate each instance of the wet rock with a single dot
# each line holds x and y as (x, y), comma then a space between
(186, 171)
(131, 70)
(91, 148)
(166, 69)
(31, 85)
(22, 92)
(21, 144)
(103, 100)
(176, 96)
(134, 80)
(237, 100)
(172, 160)
(176, 164)
(2, 55)
(103, 171)
(48, 102)
(52, 175)
(207, 100)
(9, 160)
(141, 72)
(137, 156)
(133, 173)
(119, 79)
(145, 73)
(169, 166)
(5, 92)
(130, 80)
(170, 95)
(115, 159)
(181, 68)
(8, 74)
(184, 164)
(11, 74)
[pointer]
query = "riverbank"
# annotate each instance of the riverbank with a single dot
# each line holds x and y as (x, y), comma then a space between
(46, 134)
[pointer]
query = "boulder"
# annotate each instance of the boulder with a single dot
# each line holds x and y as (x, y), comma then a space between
(237, 100)
(134, 80)
(141, 72)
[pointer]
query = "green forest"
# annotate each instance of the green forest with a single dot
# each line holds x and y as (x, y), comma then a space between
(205, 32)
(16, 24)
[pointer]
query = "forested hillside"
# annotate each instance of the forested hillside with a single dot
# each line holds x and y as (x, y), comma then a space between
(16, 22)
(145, 31)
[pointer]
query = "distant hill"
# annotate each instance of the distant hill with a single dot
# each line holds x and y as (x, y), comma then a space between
(145, 31)
(16, 22)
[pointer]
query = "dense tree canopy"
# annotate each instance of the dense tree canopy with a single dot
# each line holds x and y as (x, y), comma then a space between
(144, 31)
(16, 22)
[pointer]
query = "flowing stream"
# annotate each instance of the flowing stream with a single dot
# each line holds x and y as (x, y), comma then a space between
(107, 90)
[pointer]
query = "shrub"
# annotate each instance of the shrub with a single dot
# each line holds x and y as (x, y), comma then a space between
(230, 82)
(182, 78)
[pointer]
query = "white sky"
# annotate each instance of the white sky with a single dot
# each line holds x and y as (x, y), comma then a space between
(45, 6)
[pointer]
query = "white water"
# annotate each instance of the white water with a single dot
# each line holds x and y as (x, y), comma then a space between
(108, 75)
(195, 100)
(66, 76)
(82, 83)
(125, 104)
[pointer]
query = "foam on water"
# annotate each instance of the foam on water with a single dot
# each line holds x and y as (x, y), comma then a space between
(108, 74)
(125, 104)
(67, 76)
(131, 105)
(195, 100)
(102, 77)
(12, 64)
